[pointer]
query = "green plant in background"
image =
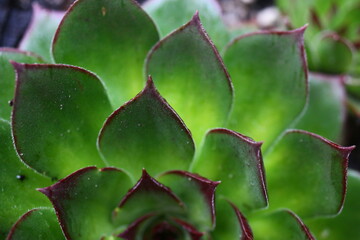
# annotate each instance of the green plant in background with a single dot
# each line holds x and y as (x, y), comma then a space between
(332, 40)
(173, 153)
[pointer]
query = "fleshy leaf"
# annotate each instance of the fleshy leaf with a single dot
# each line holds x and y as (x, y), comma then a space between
(40, 33)
(58, 111)
(187, 68)
(280, 225)
(198, 195)
(40, 224)
(84, 201)
(236, 161)
(269, 73)
(115, 37)
(146, 133)
(325, 113)
(171, 14)
(345, 225)
(17, 184)
(7, 76)
(148, 196)
(324, 164)
(230, 222)
(334, 55)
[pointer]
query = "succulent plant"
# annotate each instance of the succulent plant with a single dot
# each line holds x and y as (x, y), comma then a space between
(332, 41)
(174, 161)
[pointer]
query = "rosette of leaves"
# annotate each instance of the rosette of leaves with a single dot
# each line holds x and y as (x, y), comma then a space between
(108, 165)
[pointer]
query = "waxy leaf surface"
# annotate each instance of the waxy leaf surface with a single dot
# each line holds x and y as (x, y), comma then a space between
(148, 196)
(307, 174)
(269, 73)
(115, 37)
(230, 222)
(7, 76)
(187, 69)
(325, 113)
(58, 111)
(279, 225)
(171, 14)
(39, 224)
(84, 201)
(236, 161)
(345, 225)
(198, 195)
(18, 184)
(41, 31)
(331, 54)
(146, 133)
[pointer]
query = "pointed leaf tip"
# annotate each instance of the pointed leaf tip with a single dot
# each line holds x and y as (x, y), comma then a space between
(195, 69)
(193, 183)
(196, 18)
(146, 132)
(148, 184)
(17, 66)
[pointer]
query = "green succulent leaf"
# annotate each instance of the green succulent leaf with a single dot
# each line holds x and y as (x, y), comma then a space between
(40, 33)
(280, 225)
(187, 68)
(269, 74)
(17, 184)
(115, 37)
(84, 201)
(58, 111)
(40, 224)
(8, 76)
(235, 160)
(148, 196)
(146, 133)
(171, 14)
(307, 174)
(345, 225)
(326, 110)
(333, 55)
(230, 222)
(198, 195)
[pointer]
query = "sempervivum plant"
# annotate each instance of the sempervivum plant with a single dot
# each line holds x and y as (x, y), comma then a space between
(110, 164)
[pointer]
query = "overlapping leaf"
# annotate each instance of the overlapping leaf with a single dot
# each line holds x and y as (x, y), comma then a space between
(7, 81)
(17, 184)
(58, 111)
(186, 68)
(85, 200)
(146, 133)
(268, 98)
(115, 37)
(236, 161)
(40, 224)
(325, 113)
(307, 174)
(171, 14)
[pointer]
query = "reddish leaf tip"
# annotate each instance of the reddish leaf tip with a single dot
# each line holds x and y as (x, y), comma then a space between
(19, 67)
(149, 184)
(150, 83)
(46, 191)
(196, 18)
